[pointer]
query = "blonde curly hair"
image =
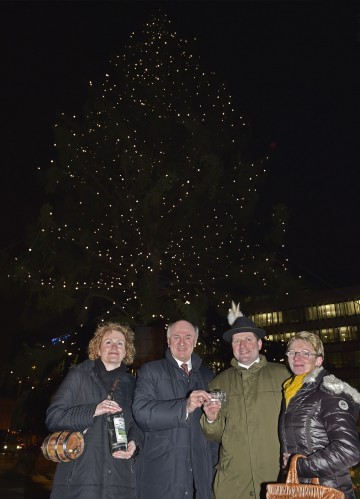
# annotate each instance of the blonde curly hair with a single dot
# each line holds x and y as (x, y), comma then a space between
(106, 327)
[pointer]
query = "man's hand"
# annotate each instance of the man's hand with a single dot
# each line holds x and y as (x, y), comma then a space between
(212, 409)
(196, 399)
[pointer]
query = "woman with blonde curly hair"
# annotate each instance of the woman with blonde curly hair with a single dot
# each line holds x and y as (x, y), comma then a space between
(81, 403)
(101, 330)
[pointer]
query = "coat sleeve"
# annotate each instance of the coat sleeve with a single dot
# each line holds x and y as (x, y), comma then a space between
(213, 431)
(150, 412)
(135, 434)
(339, 415)
(68, 410)
(133, 431)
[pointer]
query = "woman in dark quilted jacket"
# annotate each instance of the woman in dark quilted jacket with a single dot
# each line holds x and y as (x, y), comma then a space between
(81, 404)
(318, 417)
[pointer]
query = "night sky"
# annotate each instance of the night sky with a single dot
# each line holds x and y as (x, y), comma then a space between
(291, 67)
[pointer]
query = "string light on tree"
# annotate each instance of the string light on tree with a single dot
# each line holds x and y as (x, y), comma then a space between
(153, 197)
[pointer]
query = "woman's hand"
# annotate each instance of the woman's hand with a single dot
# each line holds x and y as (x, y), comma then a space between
(286, 456)
(107, 406)
(126, 454)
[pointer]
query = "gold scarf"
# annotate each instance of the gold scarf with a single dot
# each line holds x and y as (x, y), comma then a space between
(292, 386)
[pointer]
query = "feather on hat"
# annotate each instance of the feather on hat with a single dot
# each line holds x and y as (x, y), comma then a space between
(241, 324)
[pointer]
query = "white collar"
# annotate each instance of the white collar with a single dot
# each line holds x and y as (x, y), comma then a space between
(180, 362)
(248, 367)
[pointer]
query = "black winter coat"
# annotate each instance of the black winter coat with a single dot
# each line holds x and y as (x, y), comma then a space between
(176, 457)
(95, 474)
(320, 422)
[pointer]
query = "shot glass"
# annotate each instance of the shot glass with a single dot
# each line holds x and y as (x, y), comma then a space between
(217, 397)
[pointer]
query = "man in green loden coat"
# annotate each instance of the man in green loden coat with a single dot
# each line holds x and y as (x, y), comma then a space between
(246, 424)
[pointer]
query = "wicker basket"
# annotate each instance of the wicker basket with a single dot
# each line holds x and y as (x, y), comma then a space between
(292, 488)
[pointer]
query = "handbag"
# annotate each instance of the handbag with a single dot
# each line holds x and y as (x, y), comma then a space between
(292, 488)
(63, 446)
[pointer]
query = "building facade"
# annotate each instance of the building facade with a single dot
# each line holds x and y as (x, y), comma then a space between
(334, 315)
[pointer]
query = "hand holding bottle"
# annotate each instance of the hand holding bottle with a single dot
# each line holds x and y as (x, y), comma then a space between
(115, 423)
(126, 454)
(107, 406)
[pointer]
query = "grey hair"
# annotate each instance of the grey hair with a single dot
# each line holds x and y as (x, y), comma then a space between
(196, 329)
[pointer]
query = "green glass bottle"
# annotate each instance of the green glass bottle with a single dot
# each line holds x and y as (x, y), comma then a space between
(116, 428)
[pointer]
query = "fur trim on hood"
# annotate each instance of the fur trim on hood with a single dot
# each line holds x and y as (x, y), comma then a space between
(333, 384)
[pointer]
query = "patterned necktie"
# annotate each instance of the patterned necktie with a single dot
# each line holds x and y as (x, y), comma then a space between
(185, 367)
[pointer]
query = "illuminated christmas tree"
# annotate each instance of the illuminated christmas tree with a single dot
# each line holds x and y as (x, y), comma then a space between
(152, 209)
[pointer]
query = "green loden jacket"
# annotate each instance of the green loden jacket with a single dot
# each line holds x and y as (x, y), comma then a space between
(247, 429)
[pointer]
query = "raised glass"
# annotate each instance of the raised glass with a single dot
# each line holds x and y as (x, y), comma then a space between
(217, 396)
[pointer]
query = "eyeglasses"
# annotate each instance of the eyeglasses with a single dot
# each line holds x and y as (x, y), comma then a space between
(304, 354)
